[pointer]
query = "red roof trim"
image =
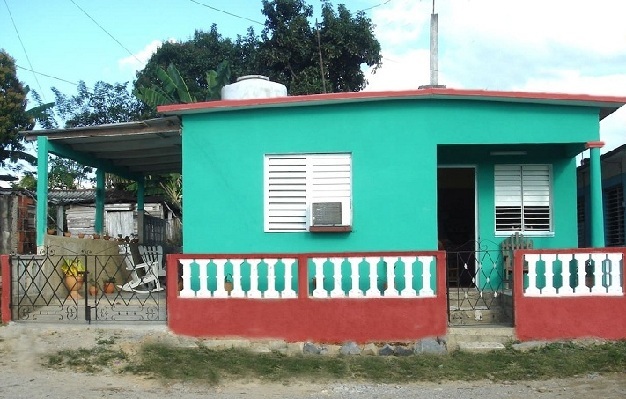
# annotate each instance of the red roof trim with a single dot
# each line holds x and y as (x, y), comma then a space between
(594, 144)
(312, 99)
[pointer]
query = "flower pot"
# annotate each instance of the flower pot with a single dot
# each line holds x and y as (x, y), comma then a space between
(228, 286)
(93, 290)
(52, 231)
(73, 285)
(108, 288)
(96, 236)
(67, 234)
(81, 235)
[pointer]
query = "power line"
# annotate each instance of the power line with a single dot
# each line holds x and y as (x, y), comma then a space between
(377, 5)
(105, 31)
(227, 12)
(23, 48)
(46, 75)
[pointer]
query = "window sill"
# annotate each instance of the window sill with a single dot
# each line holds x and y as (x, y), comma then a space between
(525, 233)
(330, 229)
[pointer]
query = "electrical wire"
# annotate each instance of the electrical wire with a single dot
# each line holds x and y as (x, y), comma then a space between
(105, 31)
(227, 12)
(23, 47)
(46, 75)
(377, 5)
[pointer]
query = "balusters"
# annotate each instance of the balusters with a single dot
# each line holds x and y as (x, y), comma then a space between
(565, 289)
(355, 291)
(337, 291)
(613, 276)
(408, 291)
(426, 261)
(372, 291)
(532, 260)
(581, 263)
(288, 292)
(187, 292)
(391, 290)
(548, 261)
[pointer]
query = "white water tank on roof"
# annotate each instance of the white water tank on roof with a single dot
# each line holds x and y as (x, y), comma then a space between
(253, 86)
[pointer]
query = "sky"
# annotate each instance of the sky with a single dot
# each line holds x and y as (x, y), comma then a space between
(569, 46)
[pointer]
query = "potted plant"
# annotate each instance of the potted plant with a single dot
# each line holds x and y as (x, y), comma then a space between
(228, 283)
(93, 287)
(74, 271)
(109, 285)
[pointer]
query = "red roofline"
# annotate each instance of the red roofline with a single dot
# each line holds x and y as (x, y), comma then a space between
(612, 103)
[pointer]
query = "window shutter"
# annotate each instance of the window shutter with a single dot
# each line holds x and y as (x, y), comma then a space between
(292, 182)
(286, 199)
(536, 197)
(508, 196)
(522, 197)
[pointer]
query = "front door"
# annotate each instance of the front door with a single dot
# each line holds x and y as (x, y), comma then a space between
(456, 217)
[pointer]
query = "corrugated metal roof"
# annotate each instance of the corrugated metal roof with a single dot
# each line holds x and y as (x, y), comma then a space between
(153, 146)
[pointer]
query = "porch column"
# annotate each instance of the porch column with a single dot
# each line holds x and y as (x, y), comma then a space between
(42, 189)
(141, 184)
(595, 183)
(100, 199)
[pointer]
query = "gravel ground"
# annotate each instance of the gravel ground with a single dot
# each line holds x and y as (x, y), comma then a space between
(22, 374)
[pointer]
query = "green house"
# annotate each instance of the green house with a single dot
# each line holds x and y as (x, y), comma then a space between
(405, 169)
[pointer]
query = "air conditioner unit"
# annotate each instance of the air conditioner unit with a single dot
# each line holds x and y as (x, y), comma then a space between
(329, 213)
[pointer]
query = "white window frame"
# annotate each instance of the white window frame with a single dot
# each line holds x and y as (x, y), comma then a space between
(293, 181)
(521, 185)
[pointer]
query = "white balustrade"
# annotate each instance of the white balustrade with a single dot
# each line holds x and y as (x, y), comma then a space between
(391, 277)
(197, 286)
(256, 278)
(601, 271)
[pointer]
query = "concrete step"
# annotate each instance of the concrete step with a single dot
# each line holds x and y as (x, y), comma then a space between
(480, 315)
(478, 347)
(478, 334)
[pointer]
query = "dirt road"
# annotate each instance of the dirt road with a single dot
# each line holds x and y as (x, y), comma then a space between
(23, 374)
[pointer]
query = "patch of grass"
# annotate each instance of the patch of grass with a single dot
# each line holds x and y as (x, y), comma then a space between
(86, 360)
(552, 361)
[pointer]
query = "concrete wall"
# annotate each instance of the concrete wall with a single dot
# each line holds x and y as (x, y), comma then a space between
(394, 148)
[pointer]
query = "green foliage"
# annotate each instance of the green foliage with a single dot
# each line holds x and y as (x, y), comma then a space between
(105, 103)
(287, 51)
(72, 267)
(66, 174)
(13, 117)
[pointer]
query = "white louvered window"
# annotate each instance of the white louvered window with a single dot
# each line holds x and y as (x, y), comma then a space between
(523, 198)
(293, 182)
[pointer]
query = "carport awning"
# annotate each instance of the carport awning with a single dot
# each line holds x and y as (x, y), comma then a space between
(145, 147)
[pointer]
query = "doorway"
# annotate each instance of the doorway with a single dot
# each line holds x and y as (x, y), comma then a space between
(456, 221)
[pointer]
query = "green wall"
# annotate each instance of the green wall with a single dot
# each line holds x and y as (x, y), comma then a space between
(394, 147)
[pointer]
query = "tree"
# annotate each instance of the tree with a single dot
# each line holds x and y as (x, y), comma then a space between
(287, 51)
(172, 88)
(106, 103)
(193, 59)
(13, 118)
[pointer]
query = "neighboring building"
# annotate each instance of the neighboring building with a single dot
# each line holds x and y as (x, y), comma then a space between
(613, 195)
(17, 222)
(76, 214)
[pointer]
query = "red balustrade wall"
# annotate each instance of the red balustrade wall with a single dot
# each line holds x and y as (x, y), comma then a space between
(304, 318)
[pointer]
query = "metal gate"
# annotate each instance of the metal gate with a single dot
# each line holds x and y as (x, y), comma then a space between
(475, 285)
(40, 291)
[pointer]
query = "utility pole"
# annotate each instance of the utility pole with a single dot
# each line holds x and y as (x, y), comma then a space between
(434, 52)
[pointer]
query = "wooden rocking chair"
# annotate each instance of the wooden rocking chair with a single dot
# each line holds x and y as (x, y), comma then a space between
(144, 277)
(508, 247)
